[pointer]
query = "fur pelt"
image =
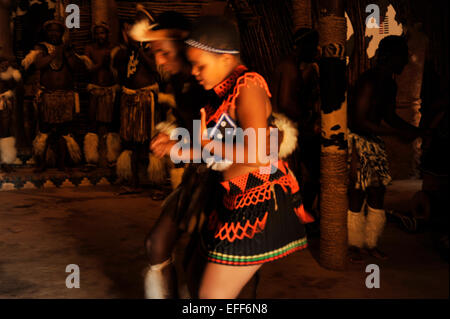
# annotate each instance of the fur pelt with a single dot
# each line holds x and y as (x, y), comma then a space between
(166, 127)
(8, 151)
(112, 147)
(356, 224)
(74, 149)
(7, 94)
(290, 134)
(156, 169)
(168, 99)
(139, 31)
(123, 166)
(91, 148)
(39, 144)
(376, 219)
(155, 285)
(10, 73)
(30, 58)
(176, 176)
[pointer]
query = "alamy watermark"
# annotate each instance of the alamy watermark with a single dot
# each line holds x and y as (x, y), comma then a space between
(73, 17)
(373, 19)
(73, 280)
(232, 140)
(373, 280)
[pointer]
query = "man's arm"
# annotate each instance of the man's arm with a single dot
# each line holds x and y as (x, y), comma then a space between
(285, 98)
(95, 67)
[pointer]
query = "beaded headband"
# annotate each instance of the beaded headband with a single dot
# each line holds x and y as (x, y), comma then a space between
(201, 46)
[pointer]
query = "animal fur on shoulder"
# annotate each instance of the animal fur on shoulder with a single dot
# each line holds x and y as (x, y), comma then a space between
(30, 58)
(290, 134)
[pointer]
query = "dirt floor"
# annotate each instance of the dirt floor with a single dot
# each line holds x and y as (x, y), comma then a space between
(42, 231)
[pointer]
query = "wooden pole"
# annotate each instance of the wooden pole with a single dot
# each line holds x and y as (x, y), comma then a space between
(301, 14)
(334, 176)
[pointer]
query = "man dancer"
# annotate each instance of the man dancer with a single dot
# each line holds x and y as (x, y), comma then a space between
(180, 210)
(10, 78)
(138, 107)
(56, 100)
(373, 101)
(102, 94)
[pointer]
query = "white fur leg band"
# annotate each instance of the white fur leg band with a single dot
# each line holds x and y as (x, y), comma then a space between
(112, 147)
(39, 144)
(74, 149)
(356, 223)
(376, 219)
(156, 169)
(91, 148)
(155, 284)
(8, 151)
(123, 166)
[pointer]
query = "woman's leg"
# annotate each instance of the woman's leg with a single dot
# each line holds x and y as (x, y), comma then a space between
(225, 282)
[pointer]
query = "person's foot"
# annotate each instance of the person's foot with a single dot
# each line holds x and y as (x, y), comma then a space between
(356, 255)
(375, 252)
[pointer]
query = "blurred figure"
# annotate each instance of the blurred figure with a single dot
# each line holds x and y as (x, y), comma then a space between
(139, 111)
(192, 182)
(296, 93)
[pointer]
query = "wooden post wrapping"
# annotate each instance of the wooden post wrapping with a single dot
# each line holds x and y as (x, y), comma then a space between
(301, 14)
(333, 200)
